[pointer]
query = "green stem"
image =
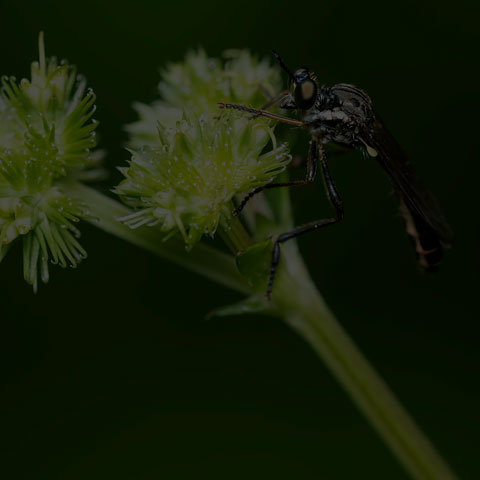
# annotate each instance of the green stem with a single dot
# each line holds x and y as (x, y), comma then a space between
(302, 307)
(308, 314)
(235, 236)
(202, 259)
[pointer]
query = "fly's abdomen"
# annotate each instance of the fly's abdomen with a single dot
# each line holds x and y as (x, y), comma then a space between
(425, 241)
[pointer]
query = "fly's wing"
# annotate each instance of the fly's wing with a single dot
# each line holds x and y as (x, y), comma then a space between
(414, 197)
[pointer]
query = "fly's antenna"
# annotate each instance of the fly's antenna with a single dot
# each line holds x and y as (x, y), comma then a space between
(280, 61)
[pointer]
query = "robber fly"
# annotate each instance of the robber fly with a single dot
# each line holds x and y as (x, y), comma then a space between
(343, 114)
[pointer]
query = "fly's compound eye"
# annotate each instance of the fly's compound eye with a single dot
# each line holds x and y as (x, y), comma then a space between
(305, 94)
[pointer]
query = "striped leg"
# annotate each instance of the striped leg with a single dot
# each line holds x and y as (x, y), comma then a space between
(337, 204)
(309, 177)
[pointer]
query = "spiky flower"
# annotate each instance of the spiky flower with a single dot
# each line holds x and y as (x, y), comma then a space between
(186, 183)
(46, 137)
(198, 83)
(189, 159)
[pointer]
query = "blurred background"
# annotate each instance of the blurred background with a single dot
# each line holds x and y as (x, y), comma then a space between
(112, 371)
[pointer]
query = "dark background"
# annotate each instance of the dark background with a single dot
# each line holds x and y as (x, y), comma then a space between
(111, 371)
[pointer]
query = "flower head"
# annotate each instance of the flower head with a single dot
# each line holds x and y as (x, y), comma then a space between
(46, 137)
(187, 182)
(188, 159)
(198, 83)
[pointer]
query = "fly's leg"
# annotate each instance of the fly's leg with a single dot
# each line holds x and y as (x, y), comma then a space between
(265, 92)
(271, 102)
(299, 161)
(337, 204)
(309, 177)
(263, 113)
(274, 101)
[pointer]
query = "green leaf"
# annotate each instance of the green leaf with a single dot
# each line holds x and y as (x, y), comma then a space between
(254, 264)
(256, 303)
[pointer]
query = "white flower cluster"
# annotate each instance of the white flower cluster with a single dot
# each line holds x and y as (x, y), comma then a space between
(187, 182)
(189, 159)
(46, 137)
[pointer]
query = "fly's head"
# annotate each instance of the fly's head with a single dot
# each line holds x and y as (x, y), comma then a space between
(303, 88)
(303, 91)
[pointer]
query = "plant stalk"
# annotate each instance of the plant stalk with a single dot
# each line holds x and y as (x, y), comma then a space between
(306, 312)
(202, 259)
(297, 300)
(235, 236)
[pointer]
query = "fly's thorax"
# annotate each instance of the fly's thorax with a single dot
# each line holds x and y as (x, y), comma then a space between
(353, 101)
(334, 125)
(340, 114)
